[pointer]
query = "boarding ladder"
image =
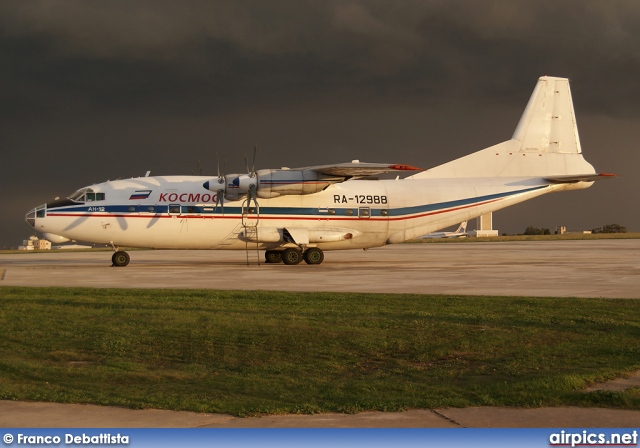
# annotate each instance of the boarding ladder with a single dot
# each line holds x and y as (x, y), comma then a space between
(230, 239)
(250, 220)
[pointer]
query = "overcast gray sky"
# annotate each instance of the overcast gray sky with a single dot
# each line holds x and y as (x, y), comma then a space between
(99, 90)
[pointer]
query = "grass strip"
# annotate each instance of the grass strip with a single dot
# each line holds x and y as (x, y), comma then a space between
(256, 352)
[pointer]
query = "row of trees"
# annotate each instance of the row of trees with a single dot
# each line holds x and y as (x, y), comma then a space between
(536, 231)
(609, 228)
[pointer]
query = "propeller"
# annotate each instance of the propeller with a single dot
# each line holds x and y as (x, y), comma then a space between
(238, 185)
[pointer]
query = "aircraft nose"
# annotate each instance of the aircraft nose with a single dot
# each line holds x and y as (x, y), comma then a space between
(38, 212)
(31, 218)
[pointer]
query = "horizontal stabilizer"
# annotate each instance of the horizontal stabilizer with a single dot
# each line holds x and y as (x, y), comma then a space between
(580, 178)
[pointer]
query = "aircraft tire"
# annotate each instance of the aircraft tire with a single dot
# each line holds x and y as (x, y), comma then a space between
(273, 256)
(291, 256)
(313, 255)
(120, 258)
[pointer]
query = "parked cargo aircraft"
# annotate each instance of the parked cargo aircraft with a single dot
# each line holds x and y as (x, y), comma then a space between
(460, 232)
(296, 214)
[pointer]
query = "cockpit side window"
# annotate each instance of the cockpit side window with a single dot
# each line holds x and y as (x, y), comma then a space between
(78, 196)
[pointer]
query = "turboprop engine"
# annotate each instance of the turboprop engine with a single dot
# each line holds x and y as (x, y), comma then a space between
(271, 183)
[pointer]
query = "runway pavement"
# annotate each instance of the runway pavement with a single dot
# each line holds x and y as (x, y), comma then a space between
(582, 268)
(599, 268)
(15, 414)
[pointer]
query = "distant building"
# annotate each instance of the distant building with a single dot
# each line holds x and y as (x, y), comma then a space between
(562, 230)
(34, 243)
(484, 224)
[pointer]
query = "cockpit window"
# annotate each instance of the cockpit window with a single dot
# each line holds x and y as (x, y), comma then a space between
(86, 195)
(78, 196)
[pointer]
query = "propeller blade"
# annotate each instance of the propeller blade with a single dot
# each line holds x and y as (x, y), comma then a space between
(252, 195)
(220, 200)
(251, 172)
(253, 165)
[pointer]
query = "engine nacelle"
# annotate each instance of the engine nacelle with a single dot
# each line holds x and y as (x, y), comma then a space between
(273, 183)
(228, 186)
(233, 190)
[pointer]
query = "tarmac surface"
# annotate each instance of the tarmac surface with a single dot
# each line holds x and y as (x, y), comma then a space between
(583, 268)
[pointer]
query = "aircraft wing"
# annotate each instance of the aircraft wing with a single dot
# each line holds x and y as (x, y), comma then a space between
(579, 178)
(355, 168)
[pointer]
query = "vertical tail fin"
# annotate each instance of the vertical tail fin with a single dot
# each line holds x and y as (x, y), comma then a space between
(548, 123)
(545, 142)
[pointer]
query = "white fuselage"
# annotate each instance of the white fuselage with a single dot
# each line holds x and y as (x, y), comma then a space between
(177, 212)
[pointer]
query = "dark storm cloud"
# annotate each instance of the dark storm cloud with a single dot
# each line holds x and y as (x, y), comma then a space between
(95, 90)
(122, 54)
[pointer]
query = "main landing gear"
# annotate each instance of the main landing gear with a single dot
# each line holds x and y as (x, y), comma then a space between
(293, 255)
(120, 258)
(290, 256)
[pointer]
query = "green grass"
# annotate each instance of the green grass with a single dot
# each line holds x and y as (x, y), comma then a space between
(246, 353)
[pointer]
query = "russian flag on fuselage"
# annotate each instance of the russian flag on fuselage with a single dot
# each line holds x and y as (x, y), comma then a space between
(140, 194)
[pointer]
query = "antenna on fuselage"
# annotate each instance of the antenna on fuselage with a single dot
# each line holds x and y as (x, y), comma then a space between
(199, 170)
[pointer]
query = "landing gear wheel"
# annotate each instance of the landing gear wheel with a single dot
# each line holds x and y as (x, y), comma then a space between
(291, 256)
(273, 256)
(313, 255)
(120, 258)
